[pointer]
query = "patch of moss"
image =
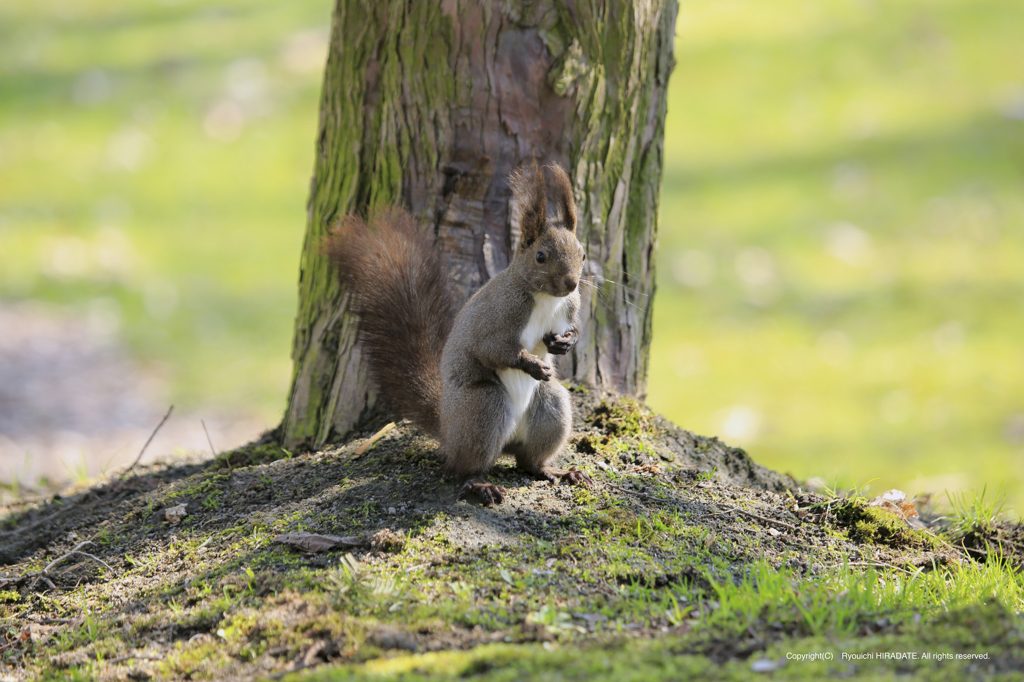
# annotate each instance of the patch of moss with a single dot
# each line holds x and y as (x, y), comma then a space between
(877, 526)
(621, 417)
(616, 519)
(195, 662)
(586, 445)
(250, 455)
(205, 484)
(206, 490)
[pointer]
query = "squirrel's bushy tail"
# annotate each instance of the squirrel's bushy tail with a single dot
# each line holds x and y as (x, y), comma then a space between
(398, 282)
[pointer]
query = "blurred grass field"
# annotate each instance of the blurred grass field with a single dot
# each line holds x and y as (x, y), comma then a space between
(154, 165)
(842, 239)
(841, 225)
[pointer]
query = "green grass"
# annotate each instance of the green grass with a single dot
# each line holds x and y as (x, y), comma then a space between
(972, 510)
(841, 240)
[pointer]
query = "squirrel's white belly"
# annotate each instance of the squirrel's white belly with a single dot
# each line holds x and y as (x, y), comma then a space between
(549, 315)
(520, 387)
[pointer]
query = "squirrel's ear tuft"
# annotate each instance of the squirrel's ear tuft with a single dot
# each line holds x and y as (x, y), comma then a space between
(563, 192)
(530, 192)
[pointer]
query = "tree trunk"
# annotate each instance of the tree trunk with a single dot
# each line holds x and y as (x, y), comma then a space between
(430, 104)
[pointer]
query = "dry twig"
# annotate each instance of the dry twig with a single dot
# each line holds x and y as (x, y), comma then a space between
(762, 519)
(39, 522)
(77, 550)
(626, 491)
(49, 621)
(877, 564)
(367, 444)
(137, 657)
(151, 436)
(44, 575)
(212, 450)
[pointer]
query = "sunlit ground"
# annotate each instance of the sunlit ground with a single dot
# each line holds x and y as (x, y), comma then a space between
(841, 240)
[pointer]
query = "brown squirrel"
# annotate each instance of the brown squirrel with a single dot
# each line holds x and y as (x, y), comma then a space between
(478, 379)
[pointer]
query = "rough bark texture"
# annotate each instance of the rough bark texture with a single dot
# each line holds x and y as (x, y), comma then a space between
(430, 104)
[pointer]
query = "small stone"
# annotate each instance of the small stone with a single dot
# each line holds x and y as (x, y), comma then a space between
(174, 515)
(766, 665)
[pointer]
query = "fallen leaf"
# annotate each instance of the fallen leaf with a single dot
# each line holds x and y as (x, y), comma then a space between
(174, 515)
(895, 501)
(893, 496)
(311, 543)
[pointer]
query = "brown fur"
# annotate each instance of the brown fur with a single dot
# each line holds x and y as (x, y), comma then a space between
(399, 286)
(445, 375)
(486, 340)
(566, 202)
(530, 190)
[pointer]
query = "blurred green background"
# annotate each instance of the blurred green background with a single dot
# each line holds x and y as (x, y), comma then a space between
(840, 273)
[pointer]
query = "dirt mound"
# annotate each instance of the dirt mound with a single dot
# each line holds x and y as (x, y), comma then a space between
(181, 570)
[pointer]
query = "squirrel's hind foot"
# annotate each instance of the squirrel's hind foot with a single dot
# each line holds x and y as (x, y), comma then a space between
(486, 493)
(571, 476)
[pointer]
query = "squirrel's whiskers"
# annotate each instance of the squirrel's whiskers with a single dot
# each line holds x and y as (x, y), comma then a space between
(600, 293)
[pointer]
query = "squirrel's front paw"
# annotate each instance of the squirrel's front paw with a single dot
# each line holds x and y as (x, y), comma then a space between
(539, 370)
(559, 344)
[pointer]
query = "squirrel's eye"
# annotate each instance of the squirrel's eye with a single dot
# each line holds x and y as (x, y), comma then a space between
(541, 257)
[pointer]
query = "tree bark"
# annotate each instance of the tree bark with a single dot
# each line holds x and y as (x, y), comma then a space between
(430, 104)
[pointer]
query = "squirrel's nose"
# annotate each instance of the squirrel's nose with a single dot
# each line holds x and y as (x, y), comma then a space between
(571, 282)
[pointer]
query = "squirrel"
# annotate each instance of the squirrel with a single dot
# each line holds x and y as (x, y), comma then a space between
(479, 379)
